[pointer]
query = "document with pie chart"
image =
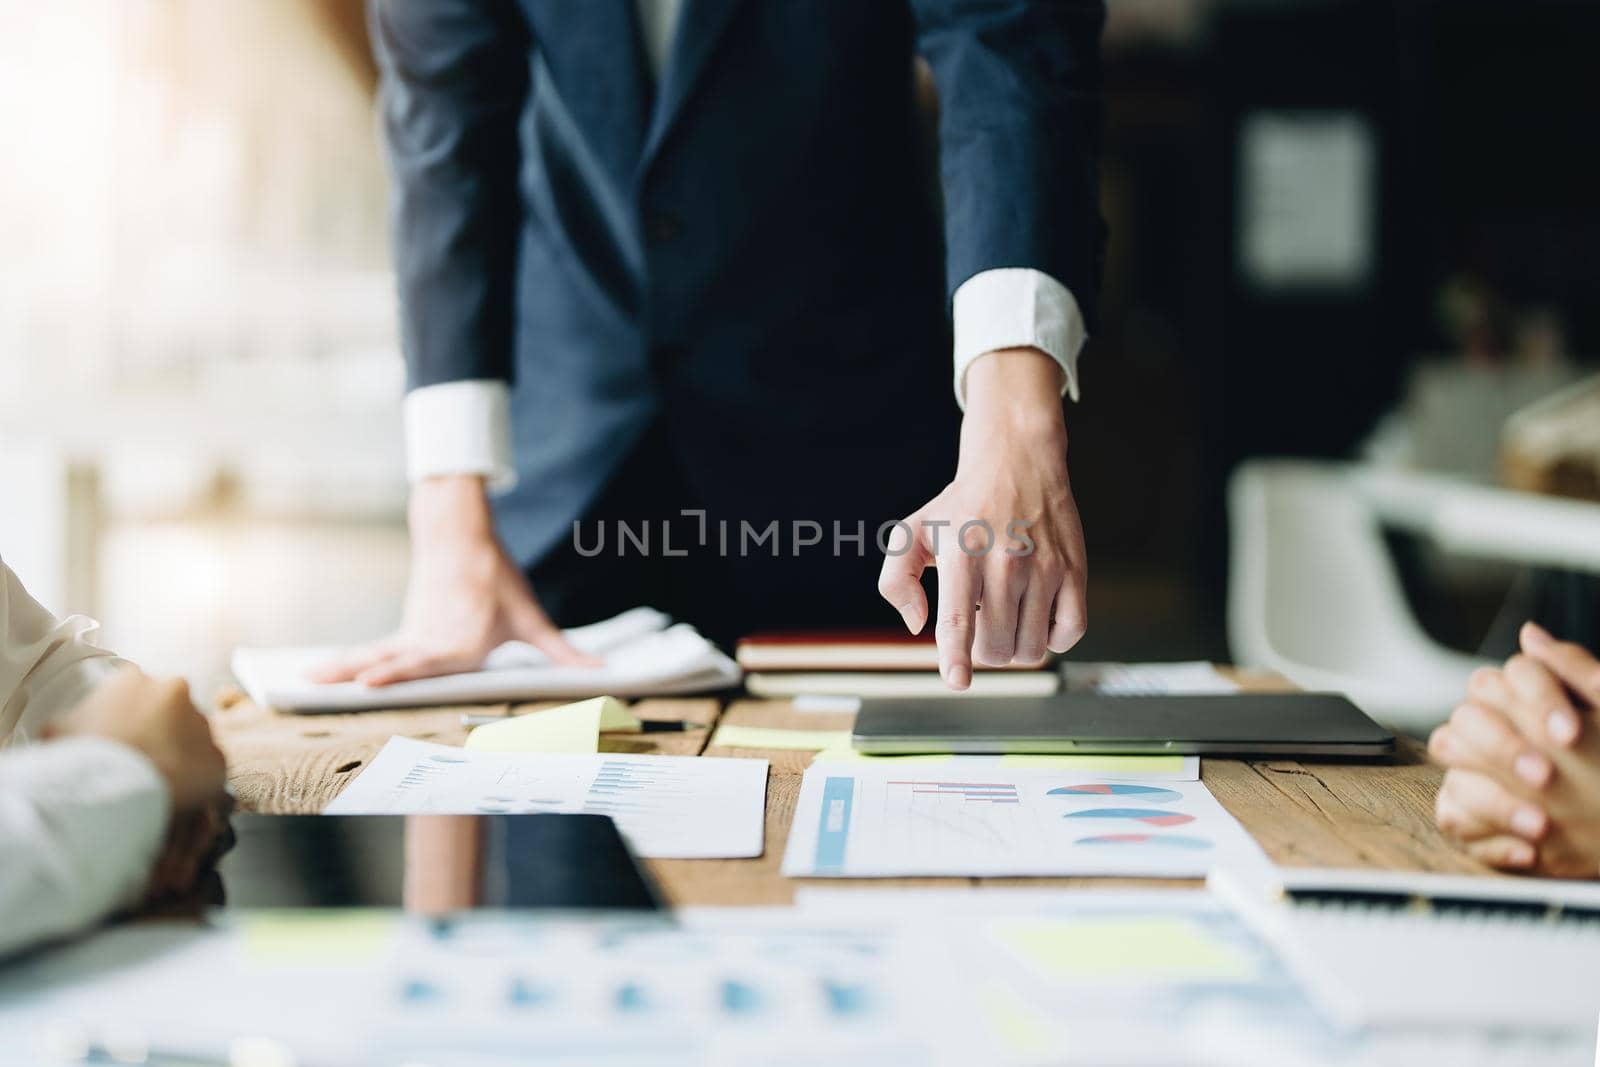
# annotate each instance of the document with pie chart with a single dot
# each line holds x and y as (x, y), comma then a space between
(971, 816)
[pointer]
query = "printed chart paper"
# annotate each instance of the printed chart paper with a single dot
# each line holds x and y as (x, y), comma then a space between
(501, 989)
(668, 807)
(867, 821)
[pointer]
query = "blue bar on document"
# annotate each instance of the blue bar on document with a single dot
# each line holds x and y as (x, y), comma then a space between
(834, 829)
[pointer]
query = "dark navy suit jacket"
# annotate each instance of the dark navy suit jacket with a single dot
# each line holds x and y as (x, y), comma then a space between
(751, 251)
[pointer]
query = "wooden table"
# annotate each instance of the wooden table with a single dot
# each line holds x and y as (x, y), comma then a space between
(1328, 813)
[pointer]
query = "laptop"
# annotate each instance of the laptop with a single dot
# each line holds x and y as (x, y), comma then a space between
(1237, 724)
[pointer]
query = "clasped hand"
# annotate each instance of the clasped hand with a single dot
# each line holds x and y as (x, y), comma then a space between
(1523, 751)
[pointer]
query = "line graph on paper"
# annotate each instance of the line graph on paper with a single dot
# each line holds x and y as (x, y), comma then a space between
(665, 805)
(924, 821)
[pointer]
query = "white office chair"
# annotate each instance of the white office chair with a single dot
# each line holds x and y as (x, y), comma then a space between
(1314, 596)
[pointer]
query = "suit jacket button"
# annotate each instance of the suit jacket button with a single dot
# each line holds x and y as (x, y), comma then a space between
(662, 226)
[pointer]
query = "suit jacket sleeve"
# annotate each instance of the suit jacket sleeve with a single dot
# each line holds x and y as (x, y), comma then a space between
(1019, 131)
(454, 78)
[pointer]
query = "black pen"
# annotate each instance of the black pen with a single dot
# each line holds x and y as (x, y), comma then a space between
(666, 726)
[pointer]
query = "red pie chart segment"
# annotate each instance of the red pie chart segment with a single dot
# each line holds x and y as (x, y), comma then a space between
(1148, 816)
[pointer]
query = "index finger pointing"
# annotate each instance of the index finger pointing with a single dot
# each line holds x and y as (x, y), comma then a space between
(958, 601)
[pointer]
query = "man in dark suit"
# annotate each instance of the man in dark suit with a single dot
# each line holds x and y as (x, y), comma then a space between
(682, 261)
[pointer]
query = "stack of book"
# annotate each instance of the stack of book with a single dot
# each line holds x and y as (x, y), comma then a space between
(872, 663)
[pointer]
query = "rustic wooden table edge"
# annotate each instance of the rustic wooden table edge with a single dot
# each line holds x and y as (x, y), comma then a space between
(1336, 813)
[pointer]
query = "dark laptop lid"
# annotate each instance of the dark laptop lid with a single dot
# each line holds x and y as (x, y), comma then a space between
(1242, 723)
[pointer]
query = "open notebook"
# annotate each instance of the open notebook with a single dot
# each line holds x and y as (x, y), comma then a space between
(1430, 951)
(644, 654)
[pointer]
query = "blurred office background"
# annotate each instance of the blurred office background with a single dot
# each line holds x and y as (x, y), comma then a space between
(1355, 233)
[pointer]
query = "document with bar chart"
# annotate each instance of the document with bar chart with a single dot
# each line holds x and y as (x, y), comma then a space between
(668, 807)
(855, 821)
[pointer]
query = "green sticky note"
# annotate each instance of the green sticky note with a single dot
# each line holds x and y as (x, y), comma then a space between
(1099, 764)
(843, 753)
(1143, 948)
(734, 736)
(569, 728)
(322, 936)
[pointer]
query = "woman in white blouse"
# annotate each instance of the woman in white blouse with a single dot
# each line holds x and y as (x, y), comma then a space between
(120, 759)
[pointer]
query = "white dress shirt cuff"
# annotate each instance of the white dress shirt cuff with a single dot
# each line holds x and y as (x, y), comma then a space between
(460, 428)
(1016, 307)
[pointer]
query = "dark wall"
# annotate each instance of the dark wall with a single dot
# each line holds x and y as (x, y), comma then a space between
(1486, 117)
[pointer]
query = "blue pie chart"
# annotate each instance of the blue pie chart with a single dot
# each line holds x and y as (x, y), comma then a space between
(1172, 841)
(1149, 794)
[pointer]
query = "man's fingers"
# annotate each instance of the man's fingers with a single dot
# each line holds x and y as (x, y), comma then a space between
(531, 624)
(1573, 664)
(413, 664)
(1033, 621)
(1543, 698)
(1481, 740)
(1004, 582)
(1506, 852)
(1472, 806)
(1490, 688)
(1071, 615)
(900, 580)
(351, 662)
(958, 601)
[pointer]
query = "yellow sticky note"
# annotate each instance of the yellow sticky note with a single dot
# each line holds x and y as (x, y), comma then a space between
(616, 718)
(734, 736)
(1087, 763)
(1144, 948)
(569, 728)
(322, 937)
(1098, 764)
(843, 753)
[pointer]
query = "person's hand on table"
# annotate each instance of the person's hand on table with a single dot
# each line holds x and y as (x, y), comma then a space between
(1523, 787)
(465, 596)
(156, 718)
(1021, 559)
